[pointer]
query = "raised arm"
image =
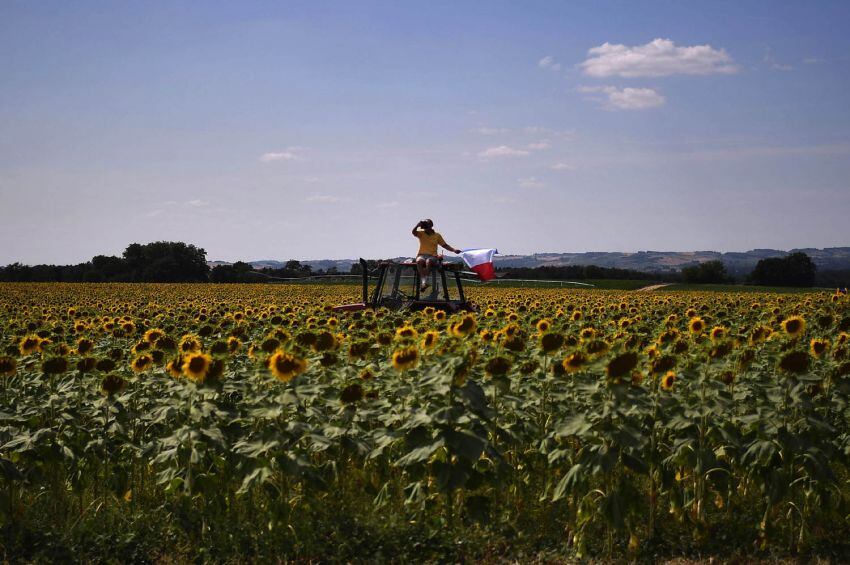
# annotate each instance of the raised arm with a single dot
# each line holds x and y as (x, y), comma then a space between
(415, 229)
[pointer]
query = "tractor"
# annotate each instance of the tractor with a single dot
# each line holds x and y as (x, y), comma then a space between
(396, 286)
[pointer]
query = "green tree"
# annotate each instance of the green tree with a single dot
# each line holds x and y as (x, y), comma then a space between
(796, 269)
(710, 272)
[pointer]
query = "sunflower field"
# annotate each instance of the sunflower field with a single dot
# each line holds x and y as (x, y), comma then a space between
(228, 422)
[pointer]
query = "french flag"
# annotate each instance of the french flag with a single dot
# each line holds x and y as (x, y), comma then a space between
(480, 261)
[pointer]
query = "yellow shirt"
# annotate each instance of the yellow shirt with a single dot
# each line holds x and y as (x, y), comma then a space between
(428, 243)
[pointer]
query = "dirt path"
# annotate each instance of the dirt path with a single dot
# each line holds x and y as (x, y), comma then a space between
(652, 287)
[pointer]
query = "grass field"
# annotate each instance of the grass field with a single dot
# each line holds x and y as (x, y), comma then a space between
(187, 423)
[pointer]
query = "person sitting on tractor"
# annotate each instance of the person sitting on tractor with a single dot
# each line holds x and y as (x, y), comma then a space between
(427, 257)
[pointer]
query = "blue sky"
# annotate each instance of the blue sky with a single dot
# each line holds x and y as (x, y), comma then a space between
(327, 129)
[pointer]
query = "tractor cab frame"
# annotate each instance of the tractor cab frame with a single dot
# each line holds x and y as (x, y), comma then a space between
(397, 286)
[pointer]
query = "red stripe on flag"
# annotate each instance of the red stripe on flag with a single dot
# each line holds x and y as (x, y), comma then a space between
(485, 271)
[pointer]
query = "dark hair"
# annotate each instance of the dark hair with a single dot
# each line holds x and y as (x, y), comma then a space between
(427, 223)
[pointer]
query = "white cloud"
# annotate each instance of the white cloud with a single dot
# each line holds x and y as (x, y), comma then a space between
(626, 98)
(813, 61)
(324, 199)
(197, 203)
(769, 59)
(281, 156)
(490, 131)
(548, 62)
(539, 145)
(502, 151)
(562, 167)
(660, 57)
(531, 182)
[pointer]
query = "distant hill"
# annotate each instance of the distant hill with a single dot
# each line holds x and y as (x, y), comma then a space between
(737, 263)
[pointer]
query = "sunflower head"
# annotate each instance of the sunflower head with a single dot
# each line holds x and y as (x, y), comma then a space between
(429, 339)
(668, 380)
(196, 366)
(325, 341)
(621, 365)
(794, 362)
(153, 335)
(718, 333)
(112, 385)
(794, 325)
(285, 366)
(406, 332)
(551, 342)
(497, 366)
(464, 327)
(8, 366)
(544, 325)
(818, 347)
(55, 365)
(141, 363)
(84, 346)
(190, 343)
(574, 362)
(351, 394)
(29, 344)
(405, 358)
(696, 325)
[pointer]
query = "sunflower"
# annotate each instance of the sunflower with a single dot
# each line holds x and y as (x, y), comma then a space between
(406, 332)
(439, 315)
(112, 384)
(104, 365)
(550, 342)
(196, 366)
(668, 380)
(153, 335)
(190, 343)
(429, 339)
(759, 334)
(405, 358)
(662, 364)
(166, 343)
(543, 325)
(141, 363)
(351, 394)
(587, 333)
(794, 326)
(620, 365)
(325, 341)
(717, 333)
(794, 362)
(55, 365)
(359, 349)
(285, 366)
(86, 364)
(233, 344)
(8, 366)
(497, 366)
(29, 344)
(464, 327)
(818, 347)
(84, 346)
(696, 325)
(174, 367)
(574, 362)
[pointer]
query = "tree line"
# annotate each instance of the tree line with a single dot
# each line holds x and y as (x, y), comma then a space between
(170, 261)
